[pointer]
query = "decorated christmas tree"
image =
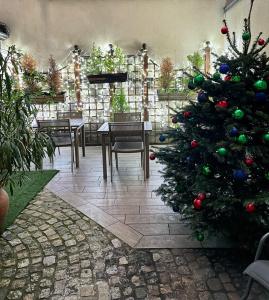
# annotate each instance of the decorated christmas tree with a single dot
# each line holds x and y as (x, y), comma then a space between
(217, 167)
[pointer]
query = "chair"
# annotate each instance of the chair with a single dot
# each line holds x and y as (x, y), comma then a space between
(126, 117)
(258, 270)
(127, 131)
(69, 115)
(60, 133)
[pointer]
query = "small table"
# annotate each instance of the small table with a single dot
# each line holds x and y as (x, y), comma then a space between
(104, 130)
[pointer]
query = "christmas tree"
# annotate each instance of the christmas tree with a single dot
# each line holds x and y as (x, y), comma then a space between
(217, 167)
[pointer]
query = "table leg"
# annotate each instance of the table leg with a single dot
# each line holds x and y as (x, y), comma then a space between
(83, 140)
(76, 148)
(104, 156)
(147, 154)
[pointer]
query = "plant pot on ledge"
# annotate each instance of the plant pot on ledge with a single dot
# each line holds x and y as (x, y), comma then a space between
(46, 98)
(107, 78)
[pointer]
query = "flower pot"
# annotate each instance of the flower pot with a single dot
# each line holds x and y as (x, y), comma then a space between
(4, 203)
(107, 78)
(46, 98)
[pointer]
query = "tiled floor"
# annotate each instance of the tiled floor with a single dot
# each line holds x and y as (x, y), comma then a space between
(127, 207)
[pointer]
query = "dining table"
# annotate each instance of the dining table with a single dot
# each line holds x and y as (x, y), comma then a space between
(78, 128)
(104, 131)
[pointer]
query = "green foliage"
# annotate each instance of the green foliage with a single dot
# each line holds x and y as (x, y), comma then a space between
(224, 210)
(119, 102)
(196, 60)
(94, 64)
(20, 145)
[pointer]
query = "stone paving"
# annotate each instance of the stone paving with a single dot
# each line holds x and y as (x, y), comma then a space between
(55, 252)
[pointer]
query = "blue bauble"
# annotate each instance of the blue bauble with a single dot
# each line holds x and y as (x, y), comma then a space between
(240, 175)
(189, 159)
(261, 97)
(233, 132)
(162, 138)
(224, 69)
(202, 97)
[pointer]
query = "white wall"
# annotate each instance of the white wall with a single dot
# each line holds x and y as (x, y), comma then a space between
(170, 27)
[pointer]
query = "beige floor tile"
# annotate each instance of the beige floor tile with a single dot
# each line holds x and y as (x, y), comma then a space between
(159, 219)
(121, 218)
(149, 201)
(121, 209)
(179, 229)
(158, 209)
(92, 195)
(151, 229)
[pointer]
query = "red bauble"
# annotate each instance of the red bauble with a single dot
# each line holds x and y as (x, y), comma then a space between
(201, 196)
(227, 77)
(194, 144)
(197, 203)
(223, 104)
(249, 161)
(261, 41)
(250, 207)
(174, 119)
(152, 156)
(224, 30)
(187, 114)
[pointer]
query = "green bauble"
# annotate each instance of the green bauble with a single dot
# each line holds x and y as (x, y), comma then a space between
(246, 36)
(236, 78)
(216, 76)
(199, 79)
(267, 175)
(238, 114)
(222, 151)
(260, 85)
(242, 139)
(206, 170)
(266, 137)
(200, 236)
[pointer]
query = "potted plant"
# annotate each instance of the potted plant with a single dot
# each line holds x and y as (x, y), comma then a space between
(106, 67)
(119, 102)
(54, 83)
(21, 147)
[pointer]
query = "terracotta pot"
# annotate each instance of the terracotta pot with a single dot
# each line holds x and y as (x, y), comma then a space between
(4, 203)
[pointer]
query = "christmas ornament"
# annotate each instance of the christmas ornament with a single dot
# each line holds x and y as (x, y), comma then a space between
(187, 114)
(189, 159)
(246, 36)
(233, 132)
(216, 76)
(224, 30)
(224, 68)
(222, 151)
(194, 144)
(267, 175)
(200, 236)
(261, 97)
(174, 119)
(199, 79)
(240, 175)
(191, 85)
(222, 104)
(206, 170)
(227, 78)
(175, 209)
(152, 156)
(242, 139)
(261, 41)
(162, 138)
(202, 97)
(236, 78)
(238, 114)
(260, 85)
(249, 161)
(197, 203)
(201, 196)
(250, 207)
(266, 137)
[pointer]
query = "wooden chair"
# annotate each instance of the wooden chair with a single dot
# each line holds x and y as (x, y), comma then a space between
(258, 270)
(133, 142)
(126, 117)
(60, 133)
(69, 115)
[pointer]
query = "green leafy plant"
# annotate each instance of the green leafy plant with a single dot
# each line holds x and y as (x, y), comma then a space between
(114, 62)
(21, 147)
(196, 60)
(119, 102)
(94, 64)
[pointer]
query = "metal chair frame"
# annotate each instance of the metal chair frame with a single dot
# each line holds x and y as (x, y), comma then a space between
(127, 117)
(69, 115)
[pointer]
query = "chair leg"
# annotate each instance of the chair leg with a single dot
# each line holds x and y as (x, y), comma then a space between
(111, 165)
(142, 160)
(108, 148)
(59, 151)
(116, 158)
(72, 158)
(246, 294)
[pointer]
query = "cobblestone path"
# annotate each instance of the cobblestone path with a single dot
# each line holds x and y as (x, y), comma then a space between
(54, 252)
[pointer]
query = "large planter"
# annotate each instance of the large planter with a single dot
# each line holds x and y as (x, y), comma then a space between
(4, 204)
(46, 98)
(162, 96)
(107, 78)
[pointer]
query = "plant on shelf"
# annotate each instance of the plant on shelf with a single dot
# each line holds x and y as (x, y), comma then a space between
(21, 147)
(119, 102)
(94, 64)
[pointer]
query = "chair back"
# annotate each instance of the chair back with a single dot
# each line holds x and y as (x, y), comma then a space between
(125, 117)
(69, 115)
(127, 130)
